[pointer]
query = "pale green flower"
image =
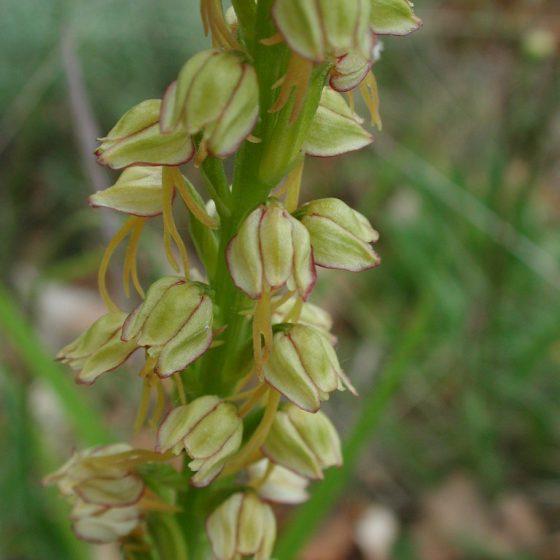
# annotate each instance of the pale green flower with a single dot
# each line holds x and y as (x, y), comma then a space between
(99, 349)
(101, 525)
(174, 324)
(275, 483)
(242, 526)
(323, 29)
(105, 493)
(303, 442)
(269, 251)
(136, 140)
(216, 94)
(138, 191)
(303, 366)
(208, 429)
(340, 236)
(335, 128)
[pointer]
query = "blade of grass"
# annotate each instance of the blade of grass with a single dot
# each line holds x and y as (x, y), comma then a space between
(310, 515)
(83, 417)
(464, 203)
(26, 505)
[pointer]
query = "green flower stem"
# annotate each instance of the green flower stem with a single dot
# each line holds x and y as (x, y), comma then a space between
(196, 504)
(168, 537)
(250, 188)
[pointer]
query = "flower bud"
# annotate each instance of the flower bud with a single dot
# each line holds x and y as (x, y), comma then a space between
(208, 429)
(335, 128)
(340, 236)
(99, 349)
(274, 483)
(324, 29)
(216, 94)
(174, 323)
(303, 442)
(100, 525)
(242, 526)
(269, 251)
(136, 140)
(303, 366)
(393, 17)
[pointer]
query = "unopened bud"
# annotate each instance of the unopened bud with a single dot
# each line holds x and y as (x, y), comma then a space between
(303, 366)
(136, 140)
(216, 94)
(208, 429)
(269, 251)
(242, 526)
(335, 128)
(340, 236)
(303, 442)
(174, 323)
(99, 349)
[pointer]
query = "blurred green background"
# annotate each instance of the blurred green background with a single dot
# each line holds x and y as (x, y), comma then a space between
(453, 447)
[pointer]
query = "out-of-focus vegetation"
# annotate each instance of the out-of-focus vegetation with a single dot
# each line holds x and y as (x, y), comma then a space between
(453, 341)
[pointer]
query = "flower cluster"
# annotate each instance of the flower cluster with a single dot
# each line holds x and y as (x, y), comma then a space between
(235, 363)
